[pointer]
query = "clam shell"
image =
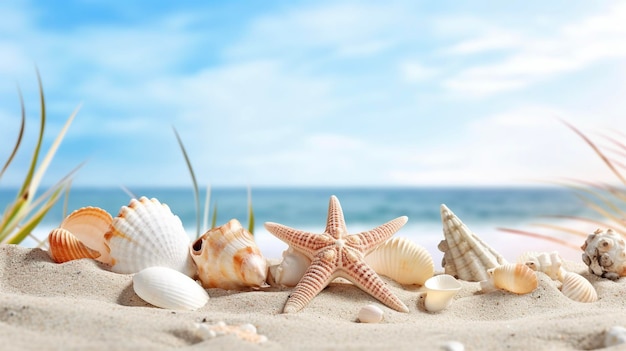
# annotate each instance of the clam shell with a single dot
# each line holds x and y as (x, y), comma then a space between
(516, 278)
(64, 246)
(440, 291)
(167, 288)
(577, 288)
(227, 257)
(466, 256)
(145, 234)
(402, 260)
(370, 314)
(605, 254)
(547, 262)
(291, 269)
(89, 225)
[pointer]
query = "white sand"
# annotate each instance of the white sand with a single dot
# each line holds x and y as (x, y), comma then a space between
(81, 305)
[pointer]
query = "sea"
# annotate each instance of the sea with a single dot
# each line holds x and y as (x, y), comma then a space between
(483, 210)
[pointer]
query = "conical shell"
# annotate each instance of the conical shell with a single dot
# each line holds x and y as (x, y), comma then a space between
(516, 278)
(402, 260)
(65, 247)
(291, 269)
(577, 288)
(466, 256)
(605, 254)
(145, 234)
(227, 257)
(167, 288)
(89, 225)
(547, 262)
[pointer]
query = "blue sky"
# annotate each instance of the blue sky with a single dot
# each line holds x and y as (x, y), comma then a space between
(316, 93)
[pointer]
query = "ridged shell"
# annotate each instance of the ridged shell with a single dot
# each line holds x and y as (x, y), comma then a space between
(516, 278)
(145, 234)
(466, 256)
(577, 288)
(402, 260)
(605, 254)
(291, 269)
(370, 314)
(227, 257)
(167, 288)
(547, 262)
(65, 247)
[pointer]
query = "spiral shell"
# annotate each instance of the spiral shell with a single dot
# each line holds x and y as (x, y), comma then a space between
(577, 288)
(402, 260)
(291, 269)
(145, 234)
(167, 288)
(605, 254)
(516, 278)
(227, 257)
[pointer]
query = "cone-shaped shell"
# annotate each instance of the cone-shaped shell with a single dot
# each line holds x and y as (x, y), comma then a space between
(605, 254)
(577, 288)
(516, 278)
(145, 234)
(547, 262)
(227, 257)
(466, 256)
(291, 269)
(167, 288)
(402, 260)
(65, 247)
(440, 291)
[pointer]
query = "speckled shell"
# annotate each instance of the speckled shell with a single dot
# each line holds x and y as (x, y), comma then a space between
(605, 254)
(402, 260)
(167, 288)
(291, 269)
(577, 288)
(466, 256)
(227, 257)
(81, 235)
(146, 234)
(516, 278)
(547, 262)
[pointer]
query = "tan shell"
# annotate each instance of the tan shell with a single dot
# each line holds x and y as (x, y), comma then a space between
(402, 260)
(466, 256)
(146, 234)
(81, 235)
(291, 269)
(605, 254)
(547, 262)
(516, 278)
(577, 288)
(227, 257)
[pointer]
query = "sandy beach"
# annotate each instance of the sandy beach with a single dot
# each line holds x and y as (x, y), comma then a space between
(82, 305)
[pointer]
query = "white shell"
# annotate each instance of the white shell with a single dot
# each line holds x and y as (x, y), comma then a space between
(577, 288)
(466, 256)
(615, 336)
(605, 254)
(145, 234)
(228, 258)
(402, 260)
(440, 291)
(246, 332)
(370, 314)
(167, 288)
(516, 278)
(547, 262)
(291, 269)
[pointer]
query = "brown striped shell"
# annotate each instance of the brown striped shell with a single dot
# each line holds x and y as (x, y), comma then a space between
(64, 246)
(227, 257)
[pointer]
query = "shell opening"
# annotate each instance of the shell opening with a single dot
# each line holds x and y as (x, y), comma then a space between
(197, 246)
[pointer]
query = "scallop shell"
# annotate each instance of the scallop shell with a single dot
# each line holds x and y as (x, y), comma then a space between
(64, 246)
(516, 278)
(577, 288)
(145, 234)
(291, 269)
(440, 291)
(402, 260)
(605, 254)
(370, 314)
(227, 257)
(466, 256)
(167, 288)
(547, 262)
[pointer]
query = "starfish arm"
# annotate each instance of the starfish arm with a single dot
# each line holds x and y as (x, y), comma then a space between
(368, 241)
(335, 222)
(319, 274)
(367, 280)
(305, 242)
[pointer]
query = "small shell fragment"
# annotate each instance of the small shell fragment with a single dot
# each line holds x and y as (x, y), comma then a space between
(547, 262)
(370, 314)
(616, 335)
(402, 260)
(291, 269)
(577, 288)
(246, 332)
(168, 288)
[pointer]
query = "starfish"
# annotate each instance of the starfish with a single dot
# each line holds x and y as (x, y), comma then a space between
(335, 253)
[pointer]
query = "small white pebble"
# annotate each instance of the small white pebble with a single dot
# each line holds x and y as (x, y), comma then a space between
(204, 332)
(370, 314)
(453, 346)
(615, 336)
(248, 328)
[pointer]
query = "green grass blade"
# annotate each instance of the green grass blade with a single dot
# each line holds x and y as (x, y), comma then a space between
(250, 212)
(35, 219)
(205, 215)
(193, 179)
(19, 136)
(214, 217)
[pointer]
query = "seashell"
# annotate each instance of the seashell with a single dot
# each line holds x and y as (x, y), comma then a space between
(546, 262)
(168, 288)
(227, 257)
(246, 332)
(616, 335)
(83, 236)
(440, 291)
(577, 288)
(370, 314)
(402, 260)
(291, 269)
(466, 256)
(605, 254)
(145, 234)
(516, 278)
